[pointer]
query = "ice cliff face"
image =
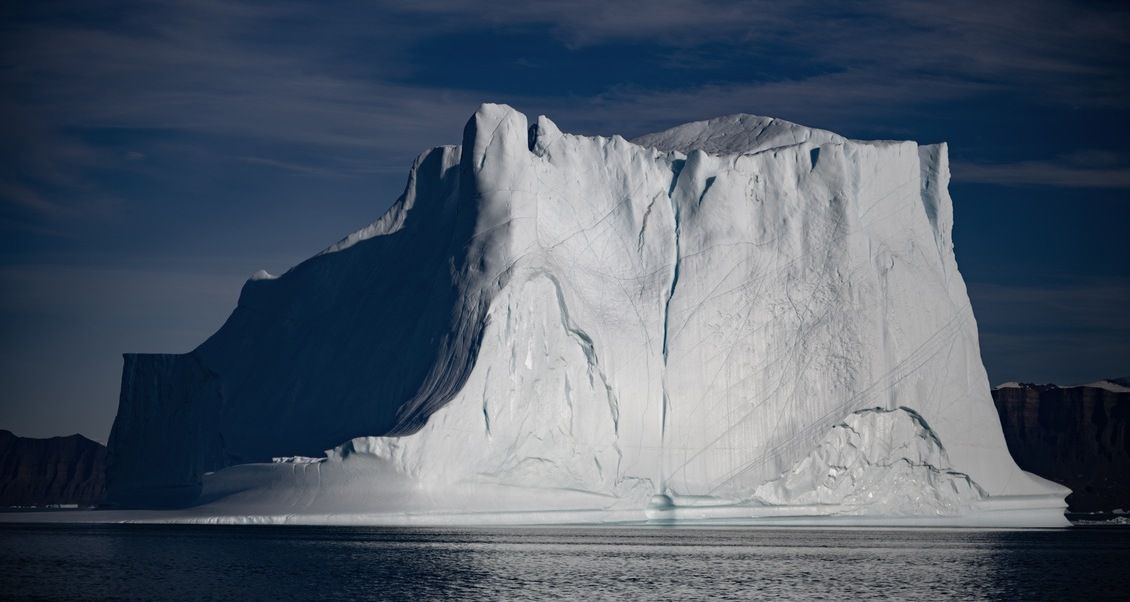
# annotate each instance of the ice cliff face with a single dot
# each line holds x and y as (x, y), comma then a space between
(691, 313)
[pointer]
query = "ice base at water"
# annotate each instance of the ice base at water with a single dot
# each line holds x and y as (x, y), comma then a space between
(875, 468)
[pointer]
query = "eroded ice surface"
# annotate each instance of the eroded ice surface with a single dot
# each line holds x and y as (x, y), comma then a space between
(548, 327)
(877, 462)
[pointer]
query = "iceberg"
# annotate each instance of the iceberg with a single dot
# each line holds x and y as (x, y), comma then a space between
(737, 320)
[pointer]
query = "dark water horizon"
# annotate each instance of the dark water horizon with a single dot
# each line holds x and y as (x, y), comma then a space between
(198, 562)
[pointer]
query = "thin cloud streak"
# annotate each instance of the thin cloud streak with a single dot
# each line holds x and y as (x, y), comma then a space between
(200, 68)
(838, 98)
(1067, 331)
(1030, 44)
(1101, 305)
(1056, 174)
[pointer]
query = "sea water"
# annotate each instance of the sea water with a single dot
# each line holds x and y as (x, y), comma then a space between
(167, 562)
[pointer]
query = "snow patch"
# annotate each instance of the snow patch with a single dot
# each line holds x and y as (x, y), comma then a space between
(735, 135)
(1105, 385)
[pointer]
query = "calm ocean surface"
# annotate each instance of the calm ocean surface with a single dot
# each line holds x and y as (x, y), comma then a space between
(71, 562)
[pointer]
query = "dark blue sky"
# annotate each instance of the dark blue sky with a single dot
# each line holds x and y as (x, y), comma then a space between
(157, 153)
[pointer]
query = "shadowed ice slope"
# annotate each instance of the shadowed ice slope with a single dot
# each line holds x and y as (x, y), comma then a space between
(549, 322)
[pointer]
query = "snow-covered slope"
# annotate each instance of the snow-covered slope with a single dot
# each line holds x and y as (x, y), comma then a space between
(556, 327)
(735, 135)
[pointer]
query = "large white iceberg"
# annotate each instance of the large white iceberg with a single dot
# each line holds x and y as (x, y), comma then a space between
(735, 320)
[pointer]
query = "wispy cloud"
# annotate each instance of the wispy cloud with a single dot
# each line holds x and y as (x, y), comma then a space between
(585, 22)
(208, 67)
(1036, 45)
(319, 167)
(1056, 173)
(827, 99)
(30, 199)
(1065, 330)
(1089, 303)
(206, 70)
(38, 201)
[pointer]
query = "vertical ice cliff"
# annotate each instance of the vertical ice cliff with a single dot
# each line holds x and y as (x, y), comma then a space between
(550, 322)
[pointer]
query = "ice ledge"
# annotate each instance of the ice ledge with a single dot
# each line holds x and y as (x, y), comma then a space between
(876, 468)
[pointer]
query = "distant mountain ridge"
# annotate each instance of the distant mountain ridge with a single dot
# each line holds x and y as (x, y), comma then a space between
(1076, 435)
(54, 471)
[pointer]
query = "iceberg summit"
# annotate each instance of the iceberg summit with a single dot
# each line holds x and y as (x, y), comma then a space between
(739, 321)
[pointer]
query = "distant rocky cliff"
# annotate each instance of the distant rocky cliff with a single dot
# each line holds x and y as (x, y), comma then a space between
(1078, 436)
(43, 472)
